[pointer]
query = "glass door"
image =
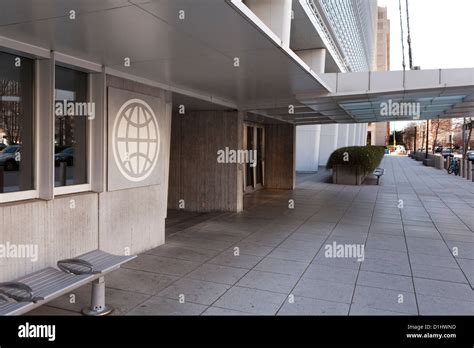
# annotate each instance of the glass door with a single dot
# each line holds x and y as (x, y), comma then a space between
(254, 143)
(260, 145)
(249, 181)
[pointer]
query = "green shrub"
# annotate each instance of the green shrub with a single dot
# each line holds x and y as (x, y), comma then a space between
(366, 157)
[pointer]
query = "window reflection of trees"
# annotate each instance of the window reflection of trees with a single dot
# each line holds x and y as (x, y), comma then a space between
(11, 111)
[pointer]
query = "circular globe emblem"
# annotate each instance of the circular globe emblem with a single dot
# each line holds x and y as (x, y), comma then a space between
(136, 140)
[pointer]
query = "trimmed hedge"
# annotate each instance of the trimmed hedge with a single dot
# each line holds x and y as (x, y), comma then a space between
(367, 157)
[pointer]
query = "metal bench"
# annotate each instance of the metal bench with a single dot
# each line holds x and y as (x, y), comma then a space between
(38, 288)
(378, 172)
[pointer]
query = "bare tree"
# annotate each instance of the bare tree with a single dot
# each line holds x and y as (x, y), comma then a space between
(11, 111)
(439, 126)
(409, 134)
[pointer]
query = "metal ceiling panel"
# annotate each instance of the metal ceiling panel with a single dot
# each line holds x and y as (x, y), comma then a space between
(23, 11)
(194, 54)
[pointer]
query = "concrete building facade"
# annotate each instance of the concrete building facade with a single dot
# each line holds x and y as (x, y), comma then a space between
(357, 50)
(379, 132)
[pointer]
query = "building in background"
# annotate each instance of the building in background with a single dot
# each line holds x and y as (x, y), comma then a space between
(347, 33)
(379, 132)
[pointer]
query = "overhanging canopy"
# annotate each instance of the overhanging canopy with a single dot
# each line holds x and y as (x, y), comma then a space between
(390, 96)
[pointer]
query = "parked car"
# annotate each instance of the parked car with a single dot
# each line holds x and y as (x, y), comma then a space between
(470, 155)
(66, 155)
(2, 146)
(446, 152)
(9, 157)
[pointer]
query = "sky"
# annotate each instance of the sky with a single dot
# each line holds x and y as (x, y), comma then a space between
(441, 34)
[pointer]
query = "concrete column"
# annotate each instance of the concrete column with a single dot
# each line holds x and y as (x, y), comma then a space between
(343, 135)
(352, 135)
(328, 143)
(276, 14)
(379, 130)
(314, 58)
(363, 134)
(358, 134)
(307, 148)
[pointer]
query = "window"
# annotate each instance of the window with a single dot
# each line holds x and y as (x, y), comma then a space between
(16, 123)
(70, 138)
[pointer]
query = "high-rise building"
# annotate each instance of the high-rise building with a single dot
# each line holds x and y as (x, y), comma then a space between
(348, 31)
(353, 29)
(379, 132)
(383, 40)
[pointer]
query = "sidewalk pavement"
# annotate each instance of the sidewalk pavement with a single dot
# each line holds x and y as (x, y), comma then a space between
(271, 259)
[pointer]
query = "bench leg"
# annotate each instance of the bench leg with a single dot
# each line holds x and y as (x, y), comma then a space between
(98, 306)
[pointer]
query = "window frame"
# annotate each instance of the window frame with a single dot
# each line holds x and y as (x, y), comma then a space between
(68, 189)
(43, 189)
(8, 197)
(77, 64)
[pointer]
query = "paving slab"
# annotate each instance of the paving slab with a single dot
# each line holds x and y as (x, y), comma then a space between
(384, 299)
(218, 274)
(232, 259)
(165, 306)
(185, 253)
(268, 281)
(331, 274)
(270, 264)
(251, 300)
(311, 306)
(385, 281)
(161, 265)
(444, 289)
(196, 291)
(324, 290)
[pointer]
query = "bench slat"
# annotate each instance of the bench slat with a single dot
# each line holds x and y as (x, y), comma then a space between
(104, 262)
(10, 308)
(47, 283)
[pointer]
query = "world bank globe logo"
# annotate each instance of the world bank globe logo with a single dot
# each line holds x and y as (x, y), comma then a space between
(136, 140)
